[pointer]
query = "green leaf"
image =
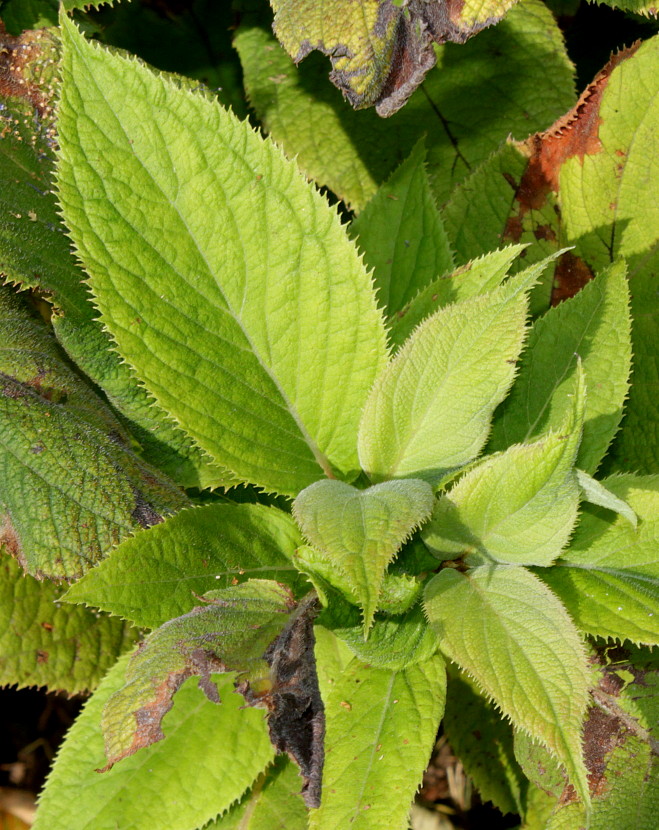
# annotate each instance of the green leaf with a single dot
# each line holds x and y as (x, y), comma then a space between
(392, 643)
(402, 236)
(429, 411)
(231, 633)
(18, 15)
(381, 728)
(156, 575)
(379, 53)
(164, 787)
(609, 576)
(273, 803)
(362, 530)
(596, 493)
(60, 443)
(519, 66)
(476, 277)
(484, 743)
(515, 639)
(519, 506)
(256, 299)
(44, 643)
(594, 326)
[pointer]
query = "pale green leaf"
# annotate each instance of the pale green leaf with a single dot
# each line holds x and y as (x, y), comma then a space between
(595, 492)
(231, 633)
(362, 530)
(402, 235)
(45, 643)
(645, 7)
(379, 53)
(609, 576)
(594, 326)
(483, 741)
(164, 787)
(273, 803)
(429, 411)
(71, 487)
(519, 66)
(519, 506)
(381, 727)
(156, 575)
(218, 322)
(477, 277)
(516, 640)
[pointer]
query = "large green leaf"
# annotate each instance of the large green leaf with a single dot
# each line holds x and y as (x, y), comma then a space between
(379, 52)
(166, 786)
(595, 327)
(609, 576)
(232, 633)
(70, 485)
(429, 411)
(402, 236)
(273, 803)
(519, 66)
(516, 640)
(220, 324)
(155, 576)
(381, 728)
(45, 643)
(519, 506)
(360, 531)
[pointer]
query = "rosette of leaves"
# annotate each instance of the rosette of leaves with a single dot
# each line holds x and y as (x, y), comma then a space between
(429, 492)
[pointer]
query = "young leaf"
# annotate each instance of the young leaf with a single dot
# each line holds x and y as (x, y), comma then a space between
(165, 785)
(484, 743)
(273, 803)
(595, 492)
(402, 236)
(594, 326)
(429, 411)
(609, 576)
(511, 634)
(62, 444)
(232, 633)
(155, 576)
(519, 506)
(361, 530)
(380, 734)
(380, 53)
(476, 277)
(43, 643)
(218, 324)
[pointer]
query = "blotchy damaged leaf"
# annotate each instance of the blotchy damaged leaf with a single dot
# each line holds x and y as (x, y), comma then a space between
(609, 576)
(380, 53)
(155, 576)
(380, 732)
(593, 326)
(511, 634)
(362, 530)
(45, 643)
(232, 633)
(219, 311)
(518, 506)
(429, 411)
(164, 787)
(70, 485)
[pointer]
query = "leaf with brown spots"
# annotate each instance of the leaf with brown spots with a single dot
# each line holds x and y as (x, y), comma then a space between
(62, 445)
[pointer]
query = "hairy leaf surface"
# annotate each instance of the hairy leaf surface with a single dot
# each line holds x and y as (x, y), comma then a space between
(380, 734)
(429, 411)
(510, 633)
(609, 576)
(218, 312)
(164, 787)
(155, 576)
